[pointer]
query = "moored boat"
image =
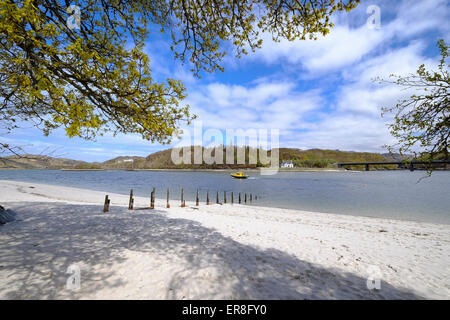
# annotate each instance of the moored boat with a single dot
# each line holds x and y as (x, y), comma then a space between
(239, 175)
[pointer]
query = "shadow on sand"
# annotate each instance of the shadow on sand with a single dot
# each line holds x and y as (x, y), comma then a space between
(37, 248)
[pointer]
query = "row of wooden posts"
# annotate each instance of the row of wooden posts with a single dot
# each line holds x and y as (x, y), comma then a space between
(250, 198)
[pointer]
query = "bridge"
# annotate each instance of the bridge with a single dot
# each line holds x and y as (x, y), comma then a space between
(401, 164)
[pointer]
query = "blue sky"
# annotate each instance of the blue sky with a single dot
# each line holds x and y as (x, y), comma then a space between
(319, 94)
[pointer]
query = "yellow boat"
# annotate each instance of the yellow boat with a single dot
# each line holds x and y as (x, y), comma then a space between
(239, 175)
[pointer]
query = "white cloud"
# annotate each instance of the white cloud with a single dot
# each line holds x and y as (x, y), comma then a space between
(264, 105)
(416, 17)
(341, 47)
(346, 45)
(344, 131)
(356, 123)
(361, 94)
(400, 61)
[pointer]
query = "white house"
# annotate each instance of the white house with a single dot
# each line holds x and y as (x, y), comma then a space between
(286, 164)
(125, 160)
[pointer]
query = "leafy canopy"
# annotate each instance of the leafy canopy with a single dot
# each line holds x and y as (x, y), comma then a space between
(422, 122)
(97, 78)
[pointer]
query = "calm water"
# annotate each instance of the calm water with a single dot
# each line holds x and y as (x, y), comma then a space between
(385, 194)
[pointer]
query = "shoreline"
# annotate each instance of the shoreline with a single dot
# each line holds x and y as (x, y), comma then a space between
(275, 206)
(210, 252)
(194, 170)
(230, 170)
(121, 199)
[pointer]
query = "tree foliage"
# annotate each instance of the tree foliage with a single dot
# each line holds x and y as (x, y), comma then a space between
(422, 122)
(97, 78)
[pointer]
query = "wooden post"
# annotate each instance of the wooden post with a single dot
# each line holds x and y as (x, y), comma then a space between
(168, 195)
(245, 198)
(239, 198)
(217, 197)
(256, 197)
(250, 197)
(183, 203)
(232, 197)
(106, 205)
(131, 202)
(152, 199)
(207, 197)
(196, 199)
(224, 197)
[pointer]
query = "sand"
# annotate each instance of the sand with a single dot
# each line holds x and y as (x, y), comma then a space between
(209, 252)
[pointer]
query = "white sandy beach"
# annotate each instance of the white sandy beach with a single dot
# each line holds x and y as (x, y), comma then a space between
(210, 252)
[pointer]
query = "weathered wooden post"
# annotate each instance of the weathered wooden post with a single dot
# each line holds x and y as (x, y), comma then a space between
(224, 197)
(232, 197)
(250, 198)
(152, 199)
(207, 197)
(106, 205)
(217, 197)
(245, 198)
(196, 199)
(183, 203)
(131, 202)
(168, 194)
(239, 198)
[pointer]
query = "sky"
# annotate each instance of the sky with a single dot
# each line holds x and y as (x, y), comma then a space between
(318, 94)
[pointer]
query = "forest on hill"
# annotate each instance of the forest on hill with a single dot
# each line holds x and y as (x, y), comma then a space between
(312, 158)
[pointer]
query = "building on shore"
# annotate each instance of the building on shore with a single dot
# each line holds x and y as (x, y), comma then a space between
(286, 164)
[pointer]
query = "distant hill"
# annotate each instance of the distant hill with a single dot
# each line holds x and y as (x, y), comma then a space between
(320, 158)
(397, 156)
(124, 162)
(163, 160)
(312, 158)
(28, 161)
